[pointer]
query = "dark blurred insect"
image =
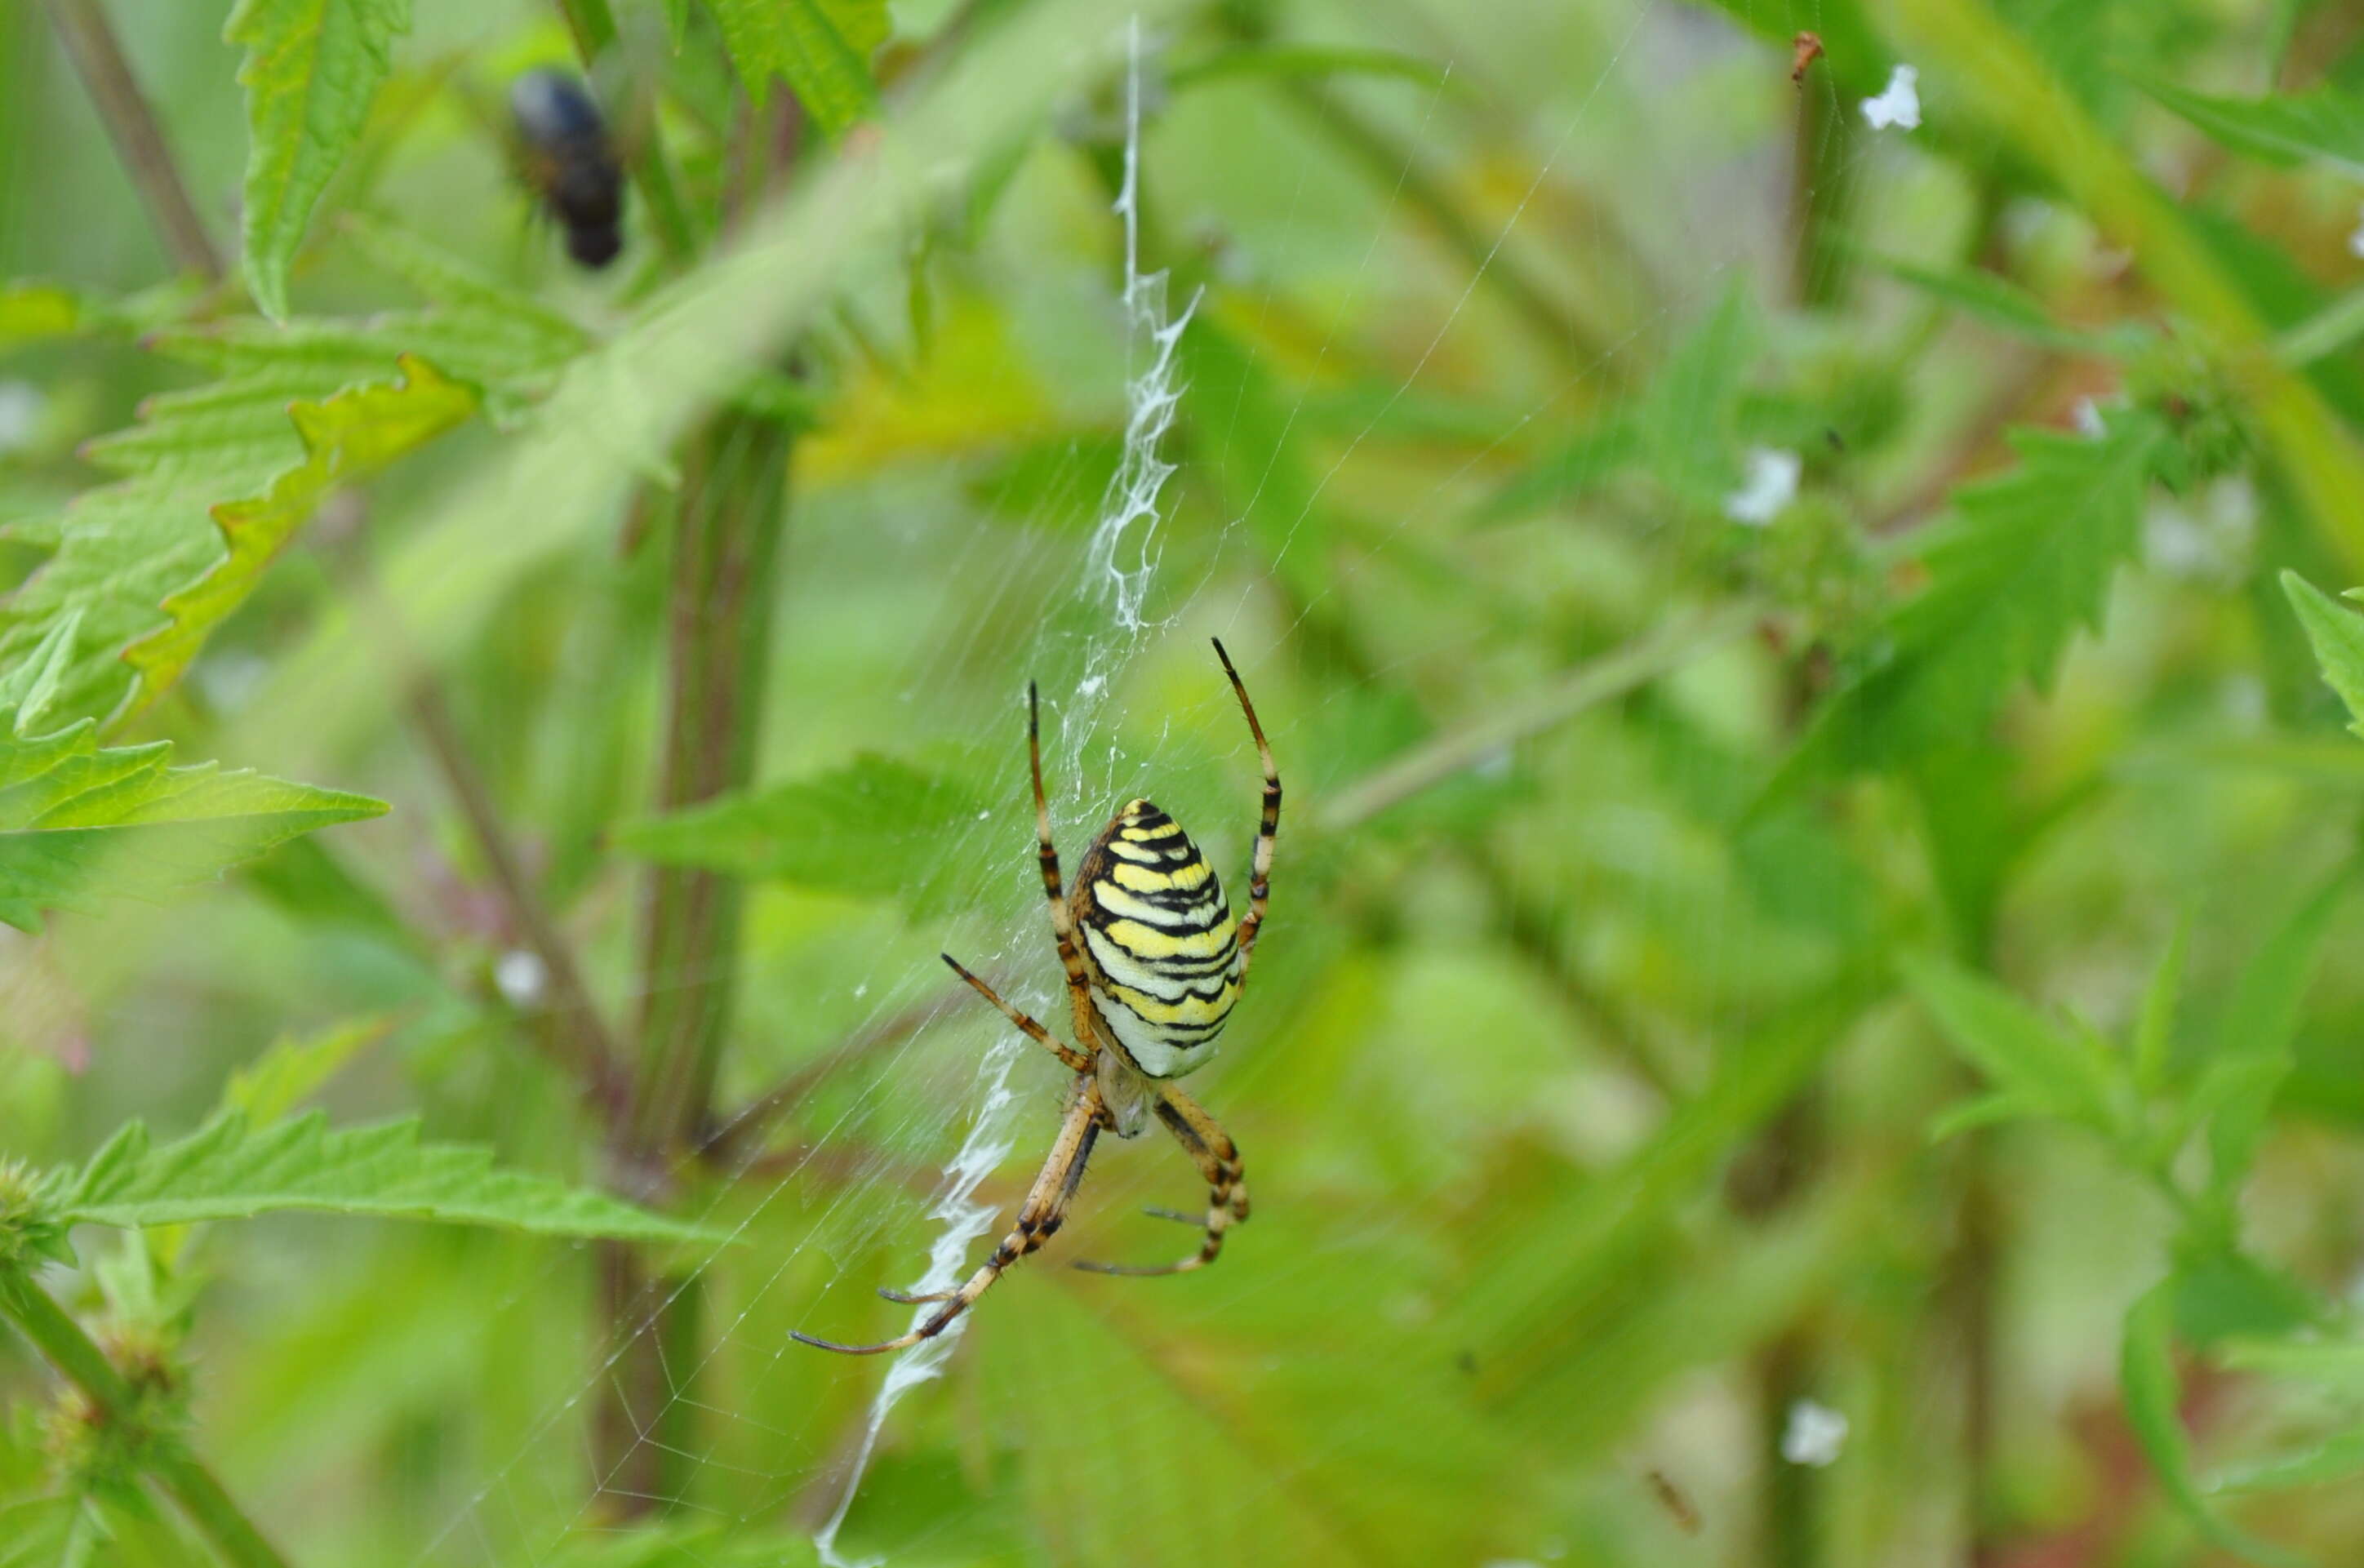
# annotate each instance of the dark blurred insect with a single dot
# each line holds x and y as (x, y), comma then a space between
(1672, 1498)
(567, 158)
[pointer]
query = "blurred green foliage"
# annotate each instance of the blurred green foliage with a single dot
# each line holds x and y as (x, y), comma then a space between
(1808, 662)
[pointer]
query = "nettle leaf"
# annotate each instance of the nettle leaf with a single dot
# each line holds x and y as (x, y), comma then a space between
(820, 47)
(2037, 1068)
(311, 68)
(346, 437)
(80, 823)
(2025, 562)
(228, 1170)
(2326, 125)
(123, 548)
(876, 827)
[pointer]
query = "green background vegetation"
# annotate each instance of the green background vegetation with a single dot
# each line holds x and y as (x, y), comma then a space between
(489, 755)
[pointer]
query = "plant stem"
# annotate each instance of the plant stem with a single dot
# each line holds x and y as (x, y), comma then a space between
(580, 1038)
(594, 27)
(1654, 653)
(89, 42)
(78, 1358)
(724, 570)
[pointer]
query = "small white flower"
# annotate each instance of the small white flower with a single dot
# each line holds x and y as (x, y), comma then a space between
(1771, 484)
(1899, 105)
(520, 976)
(2087, 416)
(2355, 236)
(1815, 1434)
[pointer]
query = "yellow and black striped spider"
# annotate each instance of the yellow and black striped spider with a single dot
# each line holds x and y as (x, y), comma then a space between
(1153, 979)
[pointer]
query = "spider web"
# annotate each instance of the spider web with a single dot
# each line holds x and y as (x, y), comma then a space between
(962, 1081)
(937, 609)
(1115, 600)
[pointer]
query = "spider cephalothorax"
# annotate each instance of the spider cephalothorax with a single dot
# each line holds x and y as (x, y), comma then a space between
(1155, 963)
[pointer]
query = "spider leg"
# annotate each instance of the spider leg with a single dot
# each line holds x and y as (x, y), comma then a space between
(1075, 1059)
(1062, 919)
(1218, 1160)
(1038, 1221)
(1267, 830)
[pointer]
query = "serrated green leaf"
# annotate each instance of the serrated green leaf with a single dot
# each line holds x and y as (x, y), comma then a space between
(2326, 125)
(79, 823)
(2337, 635)
(820, 47)
(876, 827)
(227, 1170)
(534, 337)
(345, 437)
(2046, 1069)
(2024, 564)
(2153, 1393)
(311, 68)
(123, 546)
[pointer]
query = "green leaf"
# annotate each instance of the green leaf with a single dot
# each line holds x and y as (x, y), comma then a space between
(1980, 1111)
(2339, 638)
(1993, 300)
(2154, 1030)
(2253, 1052)
(311, 68)
(2031, 1063)
(346, 437)
(2025, 562)
(79, 823)
(2326, 125)
(876, 827)
(34, 313)
(820, 47)
(2153, 1391)
(227, 1170)
(297, 1068)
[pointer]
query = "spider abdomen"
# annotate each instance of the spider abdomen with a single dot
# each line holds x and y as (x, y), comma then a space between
(1163, 949)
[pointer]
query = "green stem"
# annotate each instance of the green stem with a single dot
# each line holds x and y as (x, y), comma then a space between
(1993, 70)
(723, 582)
(78, 1358)
(594, 27)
